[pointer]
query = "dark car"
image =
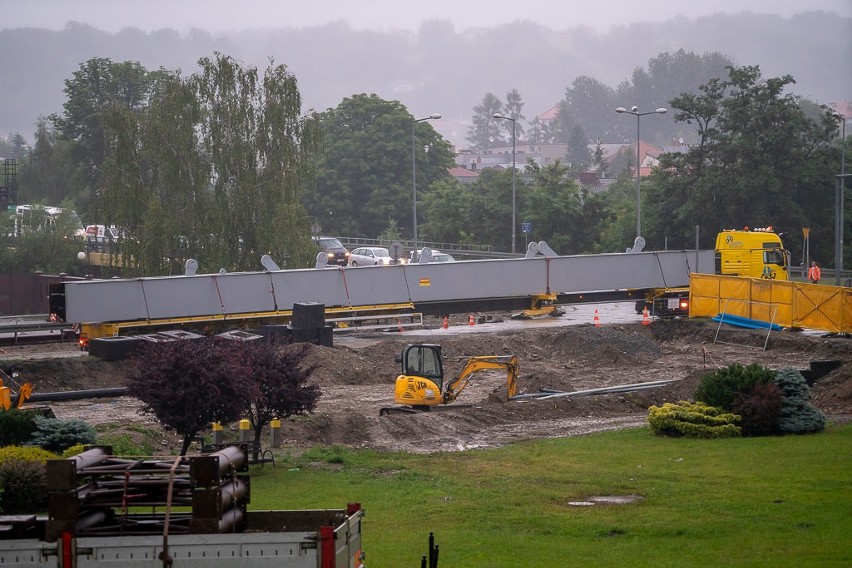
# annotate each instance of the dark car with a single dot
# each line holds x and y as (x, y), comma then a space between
(336, 253)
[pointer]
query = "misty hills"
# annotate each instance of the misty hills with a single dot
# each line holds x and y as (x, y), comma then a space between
(438, 69)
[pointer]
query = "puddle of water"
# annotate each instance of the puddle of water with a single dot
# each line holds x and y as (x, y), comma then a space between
(606, 500)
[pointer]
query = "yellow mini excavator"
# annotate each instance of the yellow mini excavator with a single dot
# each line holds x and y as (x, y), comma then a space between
(421, 386)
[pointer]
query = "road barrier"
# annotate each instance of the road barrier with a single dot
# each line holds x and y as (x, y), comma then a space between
(789, 304)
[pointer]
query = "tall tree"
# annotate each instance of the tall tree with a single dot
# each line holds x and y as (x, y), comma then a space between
(553, 205)
(513, 107)
(616, 230)
(558, 130)
(758, 163)
(669, 75)
(19, 146)
(260, 147)
(592, 104)
(447, 208)
(489, 217)
(364, 175)
(537, 132)
(577, 154)
(45, 173)
(485, 130)
(211, 167)
(97, 87)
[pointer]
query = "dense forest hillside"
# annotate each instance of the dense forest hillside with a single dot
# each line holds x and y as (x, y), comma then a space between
(438, 69)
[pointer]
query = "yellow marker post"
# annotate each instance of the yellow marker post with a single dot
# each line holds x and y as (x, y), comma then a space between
(245, 430)
(275, 426)
(218, 433)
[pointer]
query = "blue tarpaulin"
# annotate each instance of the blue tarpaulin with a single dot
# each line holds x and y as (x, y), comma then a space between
(747, 323)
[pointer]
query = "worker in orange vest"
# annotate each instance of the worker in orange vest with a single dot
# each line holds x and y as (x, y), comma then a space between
(814, 273)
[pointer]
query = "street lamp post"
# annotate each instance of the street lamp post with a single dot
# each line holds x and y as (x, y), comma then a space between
(839, 205)
(433, 116)
(504, 117)
(635, 112)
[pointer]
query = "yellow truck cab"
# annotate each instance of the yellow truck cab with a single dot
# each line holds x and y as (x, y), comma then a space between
(755, 253)
(749, 253)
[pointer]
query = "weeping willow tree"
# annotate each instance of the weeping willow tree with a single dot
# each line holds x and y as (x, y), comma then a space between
(210, 168)
(259, 146)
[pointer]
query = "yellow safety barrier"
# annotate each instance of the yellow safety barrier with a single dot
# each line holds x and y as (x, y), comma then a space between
(789, 304)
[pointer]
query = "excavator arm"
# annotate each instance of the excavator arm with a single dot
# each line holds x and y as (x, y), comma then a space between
(10, 399)
(23, 395)
(455, 386)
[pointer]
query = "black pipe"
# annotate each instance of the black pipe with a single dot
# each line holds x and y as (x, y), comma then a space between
(78, 395)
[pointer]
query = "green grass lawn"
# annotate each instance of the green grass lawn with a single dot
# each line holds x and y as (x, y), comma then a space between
(783, 501)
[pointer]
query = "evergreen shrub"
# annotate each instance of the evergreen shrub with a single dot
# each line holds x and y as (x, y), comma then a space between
(24, 453)
(693, 420)
(23, 484)
(719, 388)
(16, 426)
(56, 435)
(72, 451)
(798, 415)
(759, 409)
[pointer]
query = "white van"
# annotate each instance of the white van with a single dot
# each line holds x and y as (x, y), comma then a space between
(45, 218)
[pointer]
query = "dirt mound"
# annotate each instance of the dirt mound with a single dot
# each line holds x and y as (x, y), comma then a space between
(356, 377)
(71, 373)
(833, 392)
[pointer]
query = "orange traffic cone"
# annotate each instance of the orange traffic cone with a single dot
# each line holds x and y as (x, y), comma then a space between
(446, 323)
(470, 320)
(645, 319)
(597, 319)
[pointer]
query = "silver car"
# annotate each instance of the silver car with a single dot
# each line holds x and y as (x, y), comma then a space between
(435, 256)
(370, 256)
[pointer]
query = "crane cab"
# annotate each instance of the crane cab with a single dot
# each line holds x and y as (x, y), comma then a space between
(422, 380)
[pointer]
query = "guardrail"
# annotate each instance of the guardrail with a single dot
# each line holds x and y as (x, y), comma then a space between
(458, 250)
(800, 274)
(11, 327)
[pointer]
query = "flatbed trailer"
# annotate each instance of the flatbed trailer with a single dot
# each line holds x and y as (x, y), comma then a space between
(105, 511)
(326, 538)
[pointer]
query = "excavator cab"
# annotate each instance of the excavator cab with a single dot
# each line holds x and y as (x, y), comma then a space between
(422, 378)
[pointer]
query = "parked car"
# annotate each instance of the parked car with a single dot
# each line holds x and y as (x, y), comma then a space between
(436, 256)
(336, 253)
(370, 256)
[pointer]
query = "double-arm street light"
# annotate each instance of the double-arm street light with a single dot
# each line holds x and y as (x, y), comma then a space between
(504, 117)
(635, 112)
(433, 116)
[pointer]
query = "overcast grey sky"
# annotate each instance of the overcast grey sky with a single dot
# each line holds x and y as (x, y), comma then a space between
(380, 15)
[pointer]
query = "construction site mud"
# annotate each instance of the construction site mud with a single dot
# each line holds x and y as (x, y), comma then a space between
(357, 375)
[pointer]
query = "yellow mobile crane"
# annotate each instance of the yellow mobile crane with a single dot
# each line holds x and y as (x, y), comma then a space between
(421, 386)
